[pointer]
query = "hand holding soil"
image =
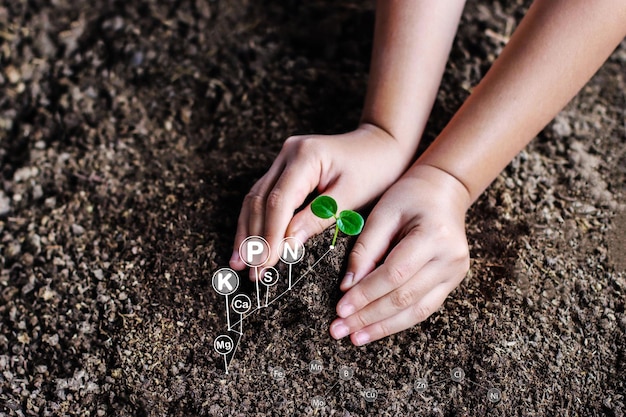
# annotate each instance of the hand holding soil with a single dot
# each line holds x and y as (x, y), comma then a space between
(131, 131)
(353, 168)
(425, 213)
(497, 121)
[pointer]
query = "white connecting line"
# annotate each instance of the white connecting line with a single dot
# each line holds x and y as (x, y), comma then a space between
(243, 316)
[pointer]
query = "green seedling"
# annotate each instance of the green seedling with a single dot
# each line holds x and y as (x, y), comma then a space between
(348, 221)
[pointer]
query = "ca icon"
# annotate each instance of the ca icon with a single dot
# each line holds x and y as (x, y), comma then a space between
(241, 304)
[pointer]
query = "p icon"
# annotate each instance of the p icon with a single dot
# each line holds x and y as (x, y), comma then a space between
(290, 250)
(254, 251)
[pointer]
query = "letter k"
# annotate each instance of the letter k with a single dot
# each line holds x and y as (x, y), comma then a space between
(224, 281)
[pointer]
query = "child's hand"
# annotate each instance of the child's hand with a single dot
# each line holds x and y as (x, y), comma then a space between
(424, 212)
(354, 168)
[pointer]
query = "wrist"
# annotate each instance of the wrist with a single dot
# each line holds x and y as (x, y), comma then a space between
(456, 192)
(407, 144)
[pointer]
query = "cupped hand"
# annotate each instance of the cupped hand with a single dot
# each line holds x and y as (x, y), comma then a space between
(354, 168)
(424, 212)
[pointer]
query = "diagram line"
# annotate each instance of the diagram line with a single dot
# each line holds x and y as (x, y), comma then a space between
(331, 388)
(312, 266)
(267, 295)
(227, 313)
(240, 322)
(258, 296)
(234, 350)
(290, 265)
(477, 384)
(249, 313)
(301, 276)
(286, 291)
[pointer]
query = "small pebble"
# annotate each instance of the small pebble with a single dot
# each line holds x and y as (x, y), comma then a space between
(25, 173)
(13, 250)
(37, 192)
(77, 229)
(5, 204)
(12, 73)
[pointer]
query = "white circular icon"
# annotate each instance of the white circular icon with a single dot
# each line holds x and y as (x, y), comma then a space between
(254, 251)
(223, 344)
(241, 303)
(291, 250)
(269, 276)
(225, 281)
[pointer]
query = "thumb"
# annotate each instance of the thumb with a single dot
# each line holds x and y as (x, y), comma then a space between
(305, 224)
(370, 248)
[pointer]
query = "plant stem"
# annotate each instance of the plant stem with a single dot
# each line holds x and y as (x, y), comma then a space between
(332, 245)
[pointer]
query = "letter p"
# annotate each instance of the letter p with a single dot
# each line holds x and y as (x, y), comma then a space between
(254, 248)
(254, 251)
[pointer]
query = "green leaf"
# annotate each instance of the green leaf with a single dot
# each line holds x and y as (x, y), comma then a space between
(350, 222)
(324, 207)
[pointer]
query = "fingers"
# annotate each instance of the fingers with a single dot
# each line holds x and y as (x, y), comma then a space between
(306, 224)
(379, 306)
(403, 262)
(415, 295)
(242, 231)
(269, 206)
(408, 287)
(403, 320)
(289, 192)
(370, 248)
(250, 221)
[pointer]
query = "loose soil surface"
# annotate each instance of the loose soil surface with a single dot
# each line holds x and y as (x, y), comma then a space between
(129, 134)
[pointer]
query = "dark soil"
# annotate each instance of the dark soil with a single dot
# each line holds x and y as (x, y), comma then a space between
(129, 134)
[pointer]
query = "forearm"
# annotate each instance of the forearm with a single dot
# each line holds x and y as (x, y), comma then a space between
(556, 49)
(412, 40)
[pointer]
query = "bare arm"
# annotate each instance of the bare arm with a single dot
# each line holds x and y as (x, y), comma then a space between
(411, 44)
(556, 49)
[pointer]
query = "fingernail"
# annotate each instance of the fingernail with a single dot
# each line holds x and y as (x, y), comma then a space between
(347, 280)
(339, 330)
(361, 338)
(234, 257)
(345, 310)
